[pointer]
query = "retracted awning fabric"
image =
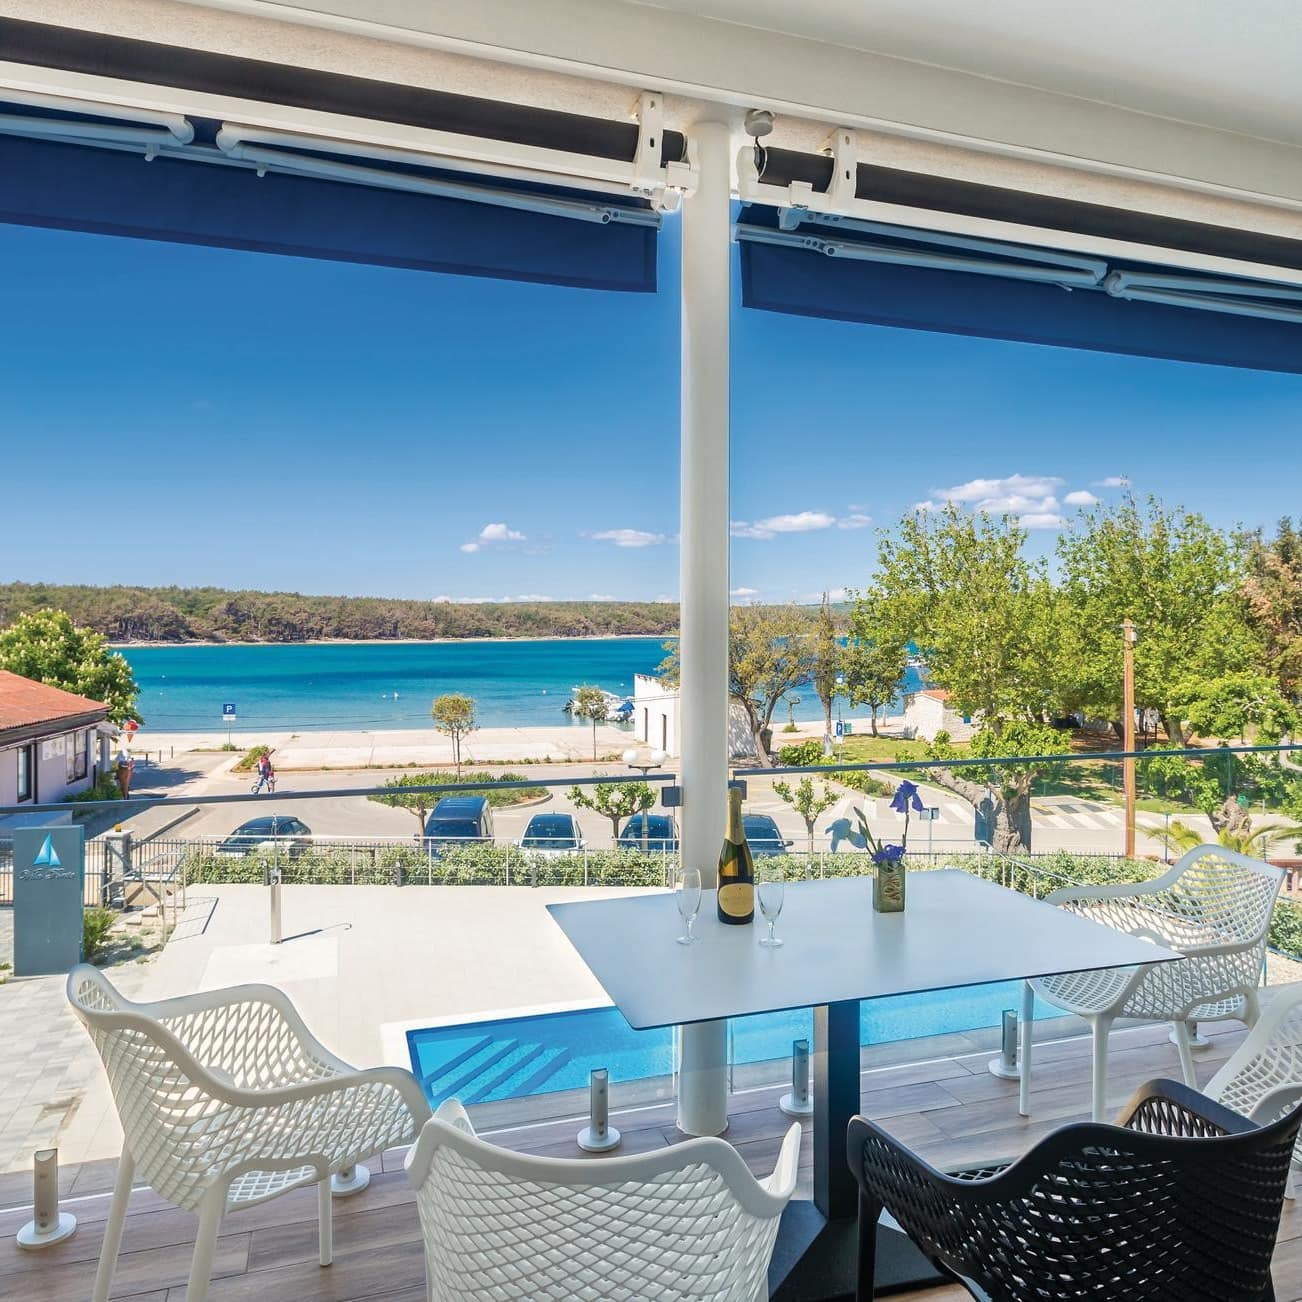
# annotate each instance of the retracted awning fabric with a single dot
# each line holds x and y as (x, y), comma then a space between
(114, 192)
(1043, 296)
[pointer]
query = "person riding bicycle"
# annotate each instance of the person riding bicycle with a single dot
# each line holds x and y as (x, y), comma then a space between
(266, 774)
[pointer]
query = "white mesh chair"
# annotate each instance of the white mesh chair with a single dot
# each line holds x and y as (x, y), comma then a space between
(226, 1100)
(683, 1222)
(1263, 1077)
(1214, 907)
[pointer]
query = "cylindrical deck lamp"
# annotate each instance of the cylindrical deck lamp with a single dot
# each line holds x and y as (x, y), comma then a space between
(799, 1102)
(598, 1136)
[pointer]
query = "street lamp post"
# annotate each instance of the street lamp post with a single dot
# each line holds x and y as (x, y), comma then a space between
(1128, 764)
(644, 760)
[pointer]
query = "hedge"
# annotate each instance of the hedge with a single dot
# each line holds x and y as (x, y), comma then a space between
(475, 865)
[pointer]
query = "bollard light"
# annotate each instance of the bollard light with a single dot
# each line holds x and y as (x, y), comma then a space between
(1005, 1066)
(799, 1103)
(49, 1225)
(352, 1179)
(598, 1136)
(277, 931)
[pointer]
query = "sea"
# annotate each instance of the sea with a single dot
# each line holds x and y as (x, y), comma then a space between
(354, 686)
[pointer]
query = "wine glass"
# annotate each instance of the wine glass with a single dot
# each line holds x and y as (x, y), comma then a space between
(771, 890)
(688, 889)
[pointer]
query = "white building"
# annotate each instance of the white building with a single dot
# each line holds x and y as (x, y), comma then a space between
(656, 719)
(928, 712)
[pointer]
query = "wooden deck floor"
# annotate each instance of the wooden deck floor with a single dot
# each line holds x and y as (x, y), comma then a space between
(950, 1109)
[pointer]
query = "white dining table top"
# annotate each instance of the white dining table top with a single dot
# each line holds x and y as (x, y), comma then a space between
(956, 930)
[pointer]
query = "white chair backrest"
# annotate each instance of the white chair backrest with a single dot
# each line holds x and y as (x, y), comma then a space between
(169, 1121)
(1262, 1079)
(684, 1222)
(1230, 894)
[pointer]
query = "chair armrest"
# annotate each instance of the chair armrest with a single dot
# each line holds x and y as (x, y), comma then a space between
(1167, 1107)
(781, 1181)
(251, 1034)
(907, 1169)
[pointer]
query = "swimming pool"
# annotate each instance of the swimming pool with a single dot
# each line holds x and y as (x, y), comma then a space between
(518, 1057)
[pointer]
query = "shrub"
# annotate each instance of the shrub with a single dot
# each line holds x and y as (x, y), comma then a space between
(800, 754)
(249, 760)
(95, 925)
(105, 788)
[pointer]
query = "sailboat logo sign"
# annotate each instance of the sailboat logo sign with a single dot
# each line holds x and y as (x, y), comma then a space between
(47, 865)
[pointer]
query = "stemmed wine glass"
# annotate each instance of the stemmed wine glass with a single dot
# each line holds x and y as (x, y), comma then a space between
(689, 903)
(771, 888)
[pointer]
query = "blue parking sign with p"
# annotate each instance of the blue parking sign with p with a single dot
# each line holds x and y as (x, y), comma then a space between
(228, 712)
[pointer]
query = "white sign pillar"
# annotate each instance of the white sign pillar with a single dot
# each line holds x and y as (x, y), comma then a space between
(703, 579)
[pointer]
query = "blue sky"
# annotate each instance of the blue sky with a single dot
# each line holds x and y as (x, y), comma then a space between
(268, 422)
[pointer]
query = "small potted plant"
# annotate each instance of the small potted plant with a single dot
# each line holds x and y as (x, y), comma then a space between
(888, 857)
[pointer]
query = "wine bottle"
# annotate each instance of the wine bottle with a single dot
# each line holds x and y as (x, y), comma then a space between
(736, 895)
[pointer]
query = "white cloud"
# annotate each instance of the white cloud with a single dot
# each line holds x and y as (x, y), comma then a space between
(1112, 481)
(1032, 498)
(602, 596)
(1080, 497)
(493, 533)
(499, 533)
(744, 592)
(797, 522)
(666, 599)
(529, 596)
(631, 537)
(856, 520)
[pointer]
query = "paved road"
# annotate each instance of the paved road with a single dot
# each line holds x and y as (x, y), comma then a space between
(1059, 822)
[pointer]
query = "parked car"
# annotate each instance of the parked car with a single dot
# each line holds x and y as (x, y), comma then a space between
(661, 834)
(459, 819)
(552, 834)
(763, 836)
(281, 833)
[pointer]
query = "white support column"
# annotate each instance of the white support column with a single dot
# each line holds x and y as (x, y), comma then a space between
(703, 578)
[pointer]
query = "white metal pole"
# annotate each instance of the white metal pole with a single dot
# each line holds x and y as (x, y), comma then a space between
(703, 578)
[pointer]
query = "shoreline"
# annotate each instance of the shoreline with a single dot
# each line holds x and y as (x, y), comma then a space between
(398, 641)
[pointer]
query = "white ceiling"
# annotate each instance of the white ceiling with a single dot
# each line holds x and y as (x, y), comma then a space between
(1232, 64)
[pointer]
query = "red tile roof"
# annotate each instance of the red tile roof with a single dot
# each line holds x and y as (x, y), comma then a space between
(939, 693)
(24, 703)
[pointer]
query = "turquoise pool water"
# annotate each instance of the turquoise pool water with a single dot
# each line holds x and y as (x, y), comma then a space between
(485, 1062)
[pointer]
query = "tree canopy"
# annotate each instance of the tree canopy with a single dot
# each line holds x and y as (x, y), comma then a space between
(875, 657)
(454, 716)
(1271, 592)
(1173, 574)
(981, 614)
(47, 646)
(615, 801)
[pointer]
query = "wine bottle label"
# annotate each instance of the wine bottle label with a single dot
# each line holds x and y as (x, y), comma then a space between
(737, 899)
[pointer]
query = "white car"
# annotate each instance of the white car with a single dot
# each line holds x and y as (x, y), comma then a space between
(552, 834)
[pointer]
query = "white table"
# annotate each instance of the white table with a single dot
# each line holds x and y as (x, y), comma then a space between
(956, 931)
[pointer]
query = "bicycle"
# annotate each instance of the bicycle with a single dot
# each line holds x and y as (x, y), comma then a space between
(269, 781)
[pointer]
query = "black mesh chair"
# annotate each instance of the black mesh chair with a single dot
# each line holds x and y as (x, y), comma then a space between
(1178, 1202)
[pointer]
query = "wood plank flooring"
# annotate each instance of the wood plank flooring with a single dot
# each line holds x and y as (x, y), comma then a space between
(950, 1109)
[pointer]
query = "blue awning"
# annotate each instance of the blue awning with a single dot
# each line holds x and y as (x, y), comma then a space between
(72, 186)
(984, 289)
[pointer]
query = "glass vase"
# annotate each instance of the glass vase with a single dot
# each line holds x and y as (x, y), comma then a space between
(888, 887)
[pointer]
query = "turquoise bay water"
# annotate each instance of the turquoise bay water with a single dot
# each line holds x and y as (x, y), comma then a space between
(353, 686)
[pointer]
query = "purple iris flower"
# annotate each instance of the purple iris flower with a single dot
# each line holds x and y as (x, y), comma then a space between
(888, 855)
(906, 797)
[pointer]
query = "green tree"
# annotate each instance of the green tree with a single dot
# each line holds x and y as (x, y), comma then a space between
(1271, 592)
(769, 653)
(1178, 579)
(418, 803)
(1007, 786)
(876, 657)
(590, 704)
(45, 645)
(982, 615)
(827, 662)
(806, 802)
(615, 801)
(454, 716)
(1236, 704)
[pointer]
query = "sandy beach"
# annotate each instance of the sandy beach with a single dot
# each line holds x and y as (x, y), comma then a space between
(420, 747)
